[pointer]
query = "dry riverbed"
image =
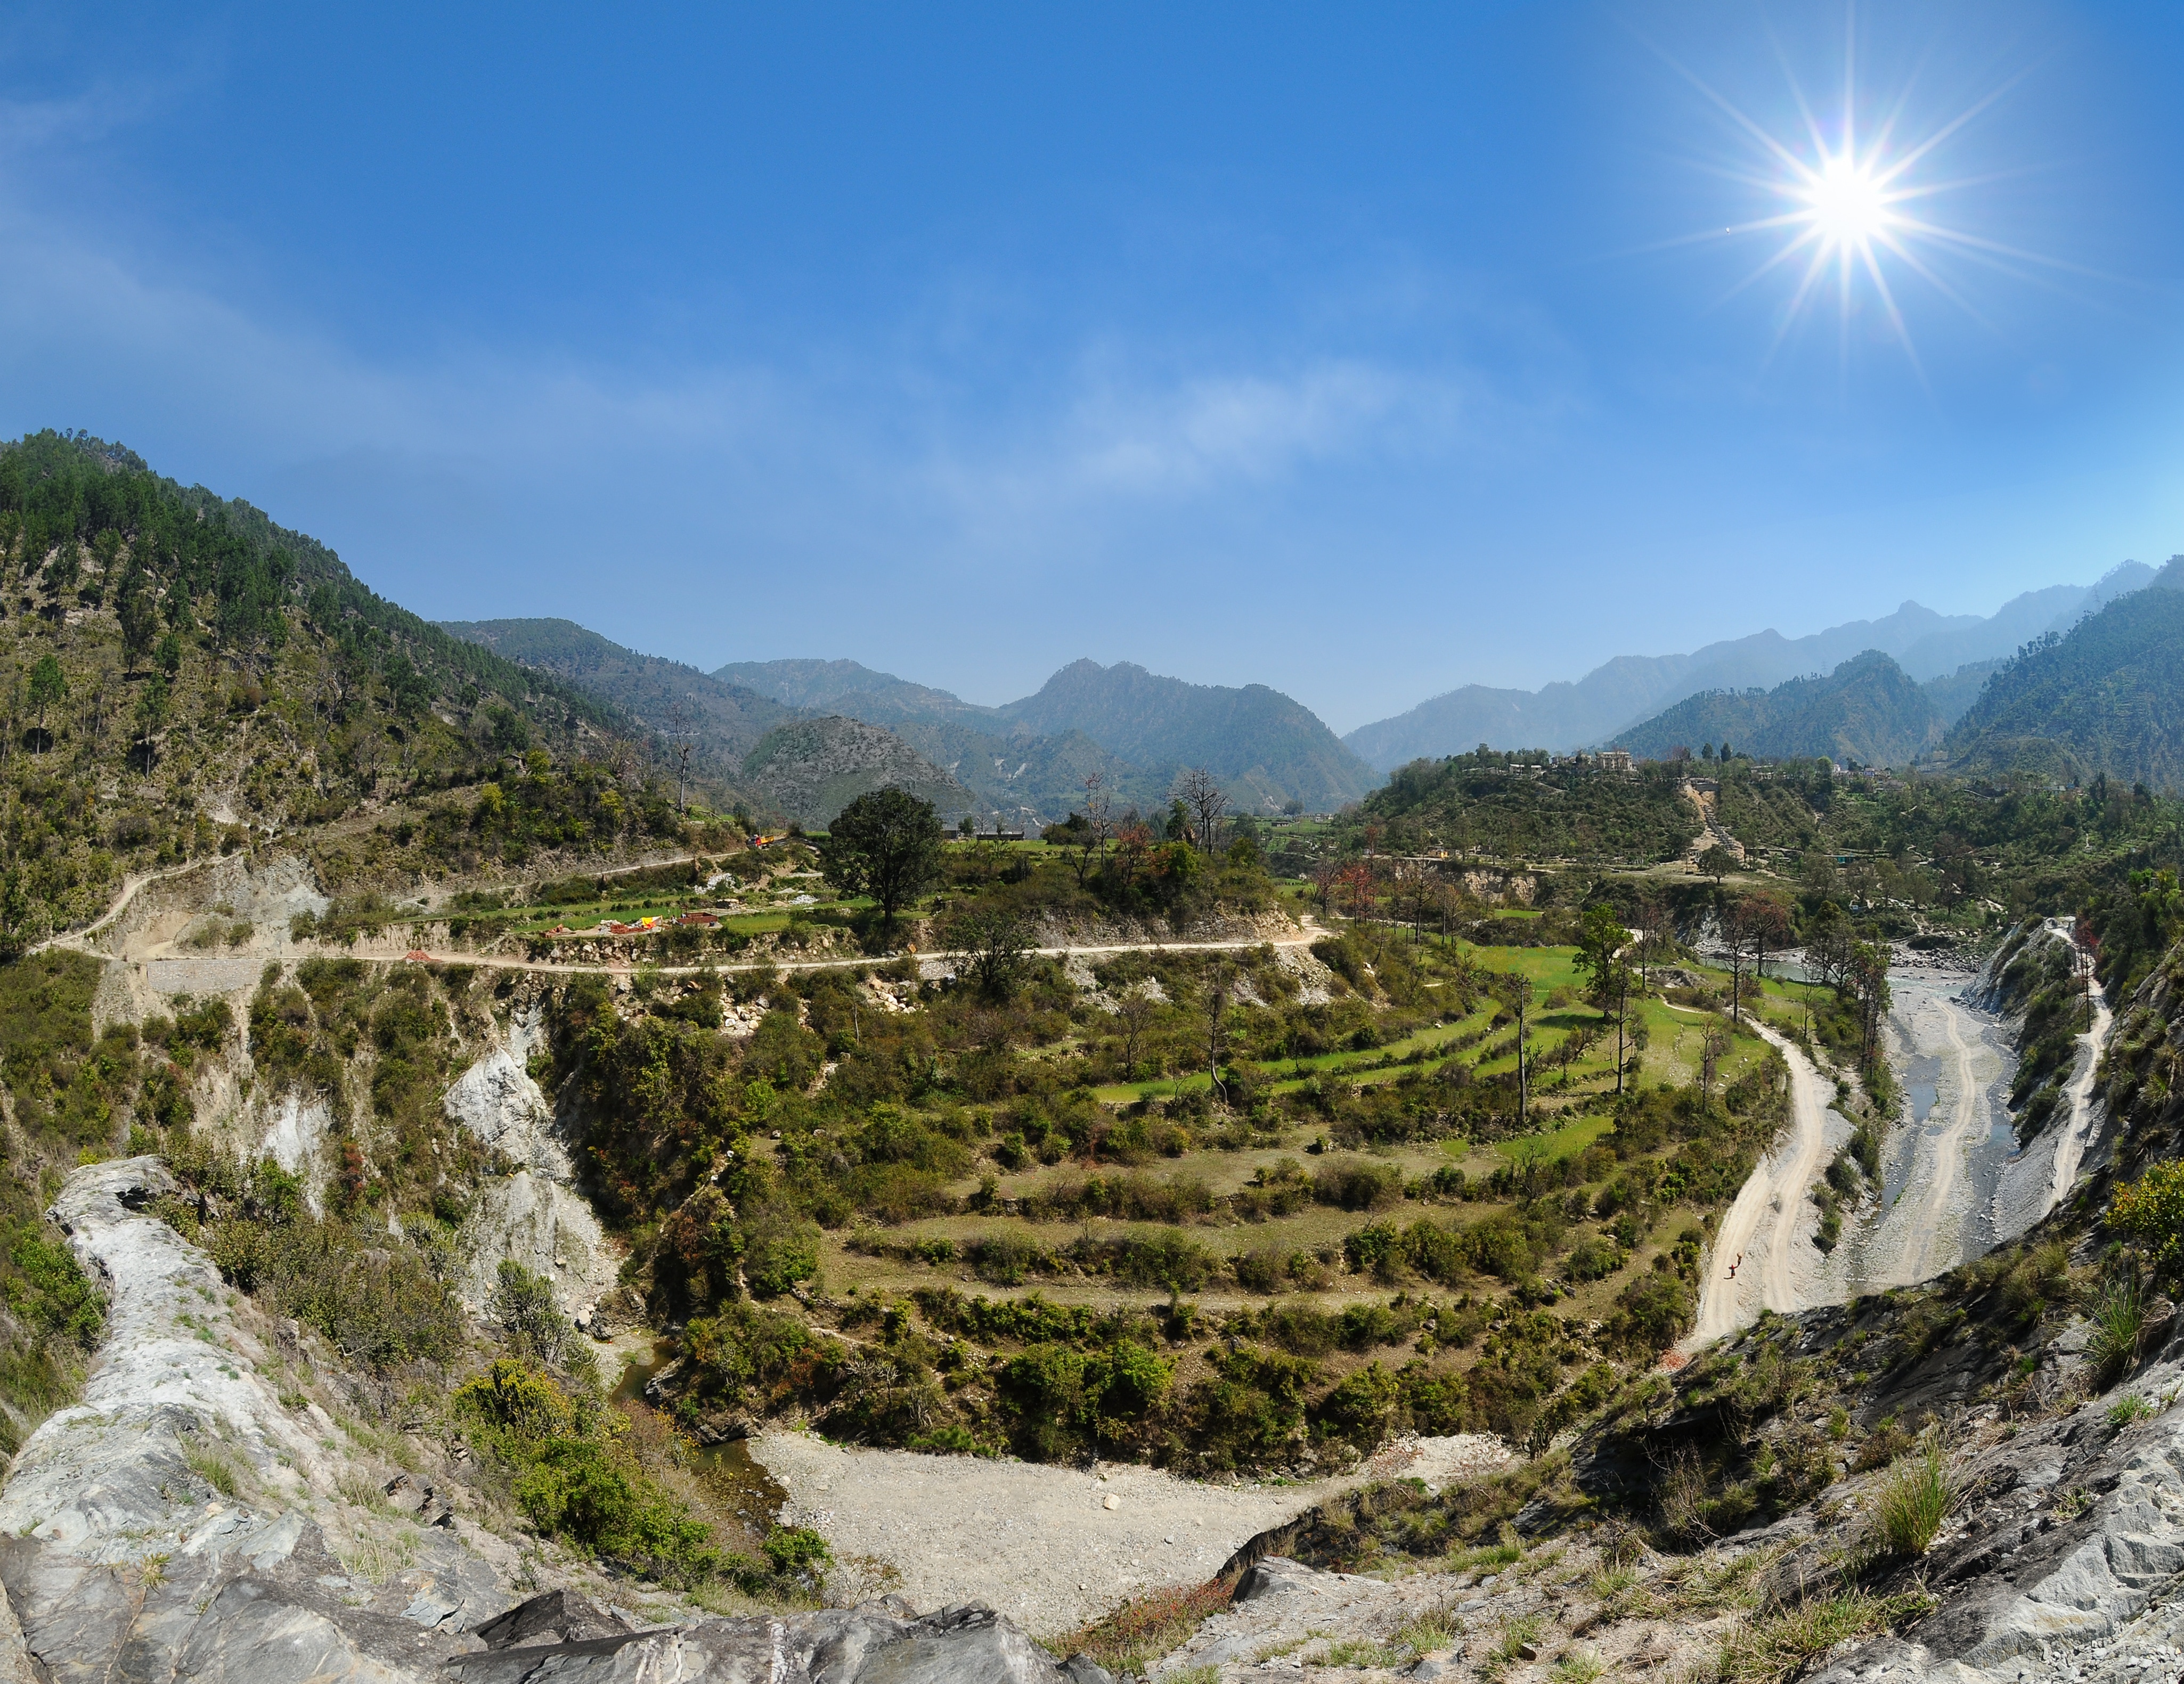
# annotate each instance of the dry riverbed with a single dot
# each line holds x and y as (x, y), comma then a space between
(1051, 1546)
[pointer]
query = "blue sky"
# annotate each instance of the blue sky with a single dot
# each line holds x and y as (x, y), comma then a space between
(1363, 351)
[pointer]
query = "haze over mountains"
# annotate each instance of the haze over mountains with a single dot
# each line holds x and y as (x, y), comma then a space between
(800, 737)
(1868, 709)
(1604, 704)
(1136, 727)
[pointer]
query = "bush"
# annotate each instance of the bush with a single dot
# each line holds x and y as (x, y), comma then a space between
(1651, 1313)
(2151, 1210)
(1915, 1498)
(1355, 1184)
(2119, 1322)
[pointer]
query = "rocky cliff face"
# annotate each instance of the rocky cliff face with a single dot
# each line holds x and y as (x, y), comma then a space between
(195, 1516)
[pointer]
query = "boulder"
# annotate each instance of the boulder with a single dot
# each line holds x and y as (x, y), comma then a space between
(874, 1642)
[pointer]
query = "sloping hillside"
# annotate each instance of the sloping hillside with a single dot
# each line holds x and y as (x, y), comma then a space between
(848, 688)
(809, 769)
(1867, 710)
(191, 677)
(2107, 696)
(1028, 759)
(732, 717)
(1954, 694)
(1269, 748)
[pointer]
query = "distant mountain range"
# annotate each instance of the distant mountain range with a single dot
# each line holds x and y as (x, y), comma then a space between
(1138, 730)
(757, 731)
(2105, 696)
(784, 762)
(1603, 706)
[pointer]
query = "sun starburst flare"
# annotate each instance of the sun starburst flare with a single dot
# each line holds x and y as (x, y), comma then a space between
(1854, 210)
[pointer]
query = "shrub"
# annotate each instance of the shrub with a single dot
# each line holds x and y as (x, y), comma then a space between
(2119, 1322)
(1915, 1498)
(1357, 1184)
(2151, 1210)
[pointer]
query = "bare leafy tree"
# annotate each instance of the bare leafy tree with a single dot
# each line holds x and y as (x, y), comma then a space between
(1201, 792)
(1218, 984)
(1099, 813)
(1134, 1012)
(682, 735)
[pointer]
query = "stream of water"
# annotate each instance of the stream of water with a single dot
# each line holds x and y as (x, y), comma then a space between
(733, 1479)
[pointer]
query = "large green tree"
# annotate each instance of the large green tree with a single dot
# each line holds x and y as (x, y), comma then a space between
(886, 844)
(49, 685)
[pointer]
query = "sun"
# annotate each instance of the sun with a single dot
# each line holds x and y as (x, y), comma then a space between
(1852, 206)
(1848, 203)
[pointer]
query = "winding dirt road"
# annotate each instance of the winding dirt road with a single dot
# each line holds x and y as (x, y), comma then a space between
(2071, 1146)
(1761, 1227)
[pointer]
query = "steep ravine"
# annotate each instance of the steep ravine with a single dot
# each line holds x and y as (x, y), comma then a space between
(1956, 1181)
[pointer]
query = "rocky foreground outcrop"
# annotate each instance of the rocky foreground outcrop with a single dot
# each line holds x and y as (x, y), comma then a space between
(188, 1520)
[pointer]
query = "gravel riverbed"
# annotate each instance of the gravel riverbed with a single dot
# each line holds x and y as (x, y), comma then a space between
(1051, 1546)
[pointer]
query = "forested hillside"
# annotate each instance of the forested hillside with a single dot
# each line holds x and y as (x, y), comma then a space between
(1019, 776)
(809, 769)
(1868, 709)
(666, 695)
(185, 676)
(1519, 806)
(2108, 695)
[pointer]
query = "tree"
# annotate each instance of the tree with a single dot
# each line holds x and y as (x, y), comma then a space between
(1099, 813)
(1716, 863)
(49, 685)
(1712, 1045)
(1868, 973)
(153, 705)
(682, 735)
(1516, 992)
(1201, 793)
(1134, 1010)
(886, 844)
(1652, 919)
(1219, 983)
(1326, 876)
(167, 656)
(995, 947)
(1600, 937)
(1829, 939)
(1737, 937)
(138, 611)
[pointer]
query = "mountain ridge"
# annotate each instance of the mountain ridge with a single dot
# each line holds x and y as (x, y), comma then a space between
(1627, 690)
(1868, 709)
(1138, 729)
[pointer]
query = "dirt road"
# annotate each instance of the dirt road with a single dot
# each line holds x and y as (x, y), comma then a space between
(1762, 1228)
(2070, 1146)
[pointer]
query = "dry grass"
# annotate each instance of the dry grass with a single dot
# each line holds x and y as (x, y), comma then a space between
(375, 1558)
(214, 1468)
(1771, 1650)
(1913, 1502)
(1145, 1628)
